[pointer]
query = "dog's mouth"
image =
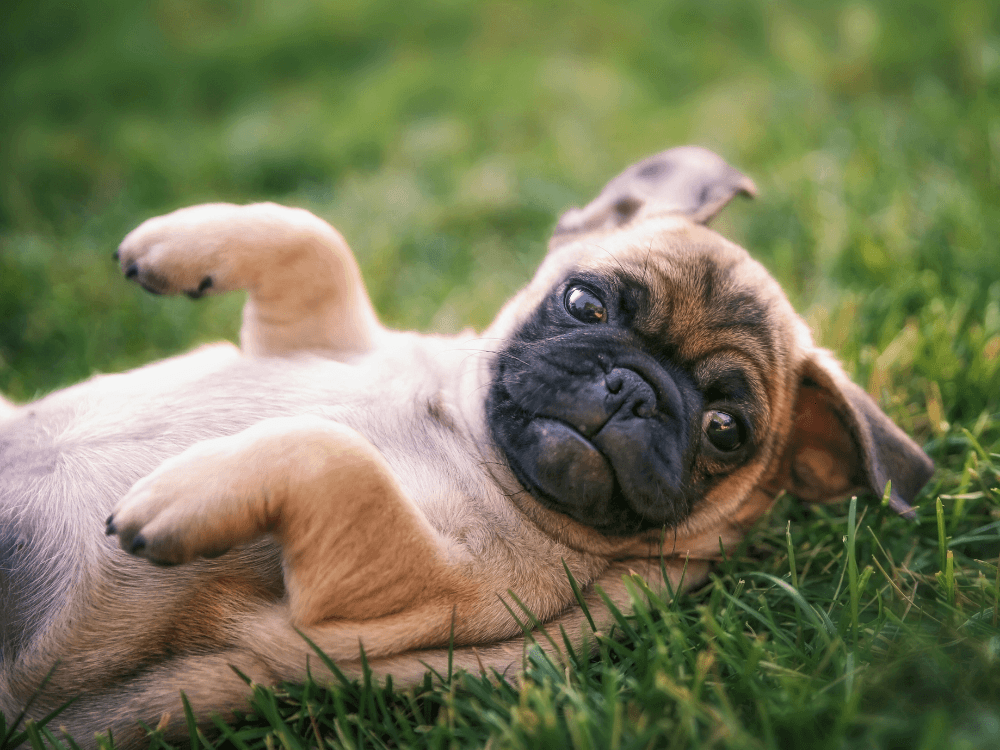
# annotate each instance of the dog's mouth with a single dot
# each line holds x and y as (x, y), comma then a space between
(562, 463)
(608, 449)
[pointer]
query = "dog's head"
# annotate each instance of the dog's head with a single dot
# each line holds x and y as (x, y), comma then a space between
(654, 375)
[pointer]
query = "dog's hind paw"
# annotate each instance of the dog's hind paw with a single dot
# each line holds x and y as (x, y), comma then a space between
(193, 251)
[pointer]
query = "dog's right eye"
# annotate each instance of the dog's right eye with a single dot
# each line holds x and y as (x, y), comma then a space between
(585, 306)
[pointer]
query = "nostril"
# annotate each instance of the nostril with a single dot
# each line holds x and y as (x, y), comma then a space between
(632, 395)
(644, 409)
(132, 271)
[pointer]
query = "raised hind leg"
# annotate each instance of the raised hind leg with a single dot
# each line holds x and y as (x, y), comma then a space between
(305, 289)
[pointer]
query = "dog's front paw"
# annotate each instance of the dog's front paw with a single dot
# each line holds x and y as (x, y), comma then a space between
(167, 517)
(191, 251)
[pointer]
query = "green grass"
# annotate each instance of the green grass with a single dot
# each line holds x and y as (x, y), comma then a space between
(443, 138)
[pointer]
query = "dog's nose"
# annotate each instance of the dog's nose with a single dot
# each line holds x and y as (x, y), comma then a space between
(614, 381)
(635, 395)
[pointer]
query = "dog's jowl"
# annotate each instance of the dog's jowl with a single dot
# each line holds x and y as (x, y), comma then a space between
(638, 404)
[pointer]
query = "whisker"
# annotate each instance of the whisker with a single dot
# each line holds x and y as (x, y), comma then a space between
(645, 263)
(473, 352)
(612, 256)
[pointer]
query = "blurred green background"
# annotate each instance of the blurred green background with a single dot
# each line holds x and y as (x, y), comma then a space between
(444, 138)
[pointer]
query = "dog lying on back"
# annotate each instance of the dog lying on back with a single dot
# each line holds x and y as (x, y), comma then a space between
(640, 403)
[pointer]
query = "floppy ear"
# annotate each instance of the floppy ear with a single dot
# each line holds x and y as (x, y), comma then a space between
(841, 443)
(687, 180)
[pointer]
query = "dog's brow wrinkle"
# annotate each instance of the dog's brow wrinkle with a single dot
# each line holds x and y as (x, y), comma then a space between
(709, 281)
(737, 308)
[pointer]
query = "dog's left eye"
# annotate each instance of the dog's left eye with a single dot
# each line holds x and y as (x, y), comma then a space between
(723, 430)
(585, 306)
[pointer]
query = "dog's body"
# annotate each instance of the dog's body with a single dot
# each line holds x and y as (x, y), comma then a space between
(641, 402)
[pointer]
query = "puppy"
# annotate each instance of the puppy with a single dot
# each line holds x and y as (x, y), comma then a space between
(638, 405)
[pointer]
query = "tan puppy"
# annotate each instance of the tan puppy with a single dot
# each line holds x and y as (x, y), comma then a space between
(639, 403)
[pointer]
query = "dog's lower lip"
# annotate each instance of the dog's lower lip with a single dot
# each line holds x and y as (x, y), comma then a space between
(586, 431)
(582, 431)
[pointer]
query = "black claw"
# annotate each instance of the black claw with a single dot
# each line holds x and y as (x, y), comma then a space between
(198, 293)
(138, 544)
(131, 271)
(115, 255)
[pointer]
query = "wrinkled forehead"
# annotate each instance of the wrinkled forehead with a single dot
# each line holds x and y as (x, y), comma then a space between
(693, 289)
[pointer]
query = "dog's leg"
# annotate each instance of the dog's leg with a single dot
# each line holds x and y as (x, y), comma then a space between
(355, 547)
(617, 586)
(305, 289)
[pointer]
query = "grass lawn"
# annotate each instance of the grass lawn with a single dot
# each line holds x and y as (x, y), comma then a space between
(443, 139)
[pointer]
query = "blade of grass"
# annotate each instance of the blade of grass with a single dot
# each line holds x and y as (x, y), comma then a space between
(942, 547)
(578, 595)
(791, 555)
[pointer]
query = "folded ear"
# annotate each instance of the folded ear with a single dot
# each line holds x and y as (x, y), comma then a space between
(841, 443)
(687, 180)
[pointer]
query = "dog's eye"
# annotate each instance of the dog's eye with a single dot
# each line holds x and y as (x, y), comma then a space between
(723, 430)
(585, 306)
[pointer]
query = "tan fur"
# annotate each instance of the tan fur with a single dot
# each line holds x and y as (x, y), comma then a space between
(305, 289)
(356, 497)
